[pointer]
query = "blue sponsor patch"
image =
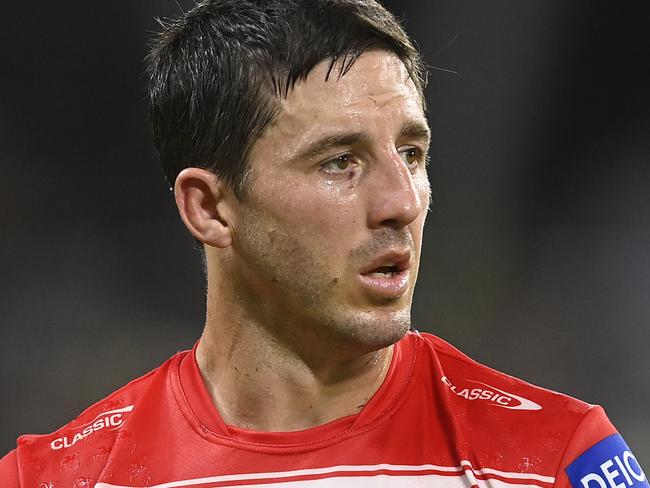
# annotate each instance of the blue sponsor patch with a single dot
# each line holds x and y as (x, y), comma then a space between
(608, 464)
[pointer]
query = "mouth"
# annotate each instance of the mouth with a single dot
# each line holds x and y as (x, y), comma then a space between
(388, 275)
(384, 272)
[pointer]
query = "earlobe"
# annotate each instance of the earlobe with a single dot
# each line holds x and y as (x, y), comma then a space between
(201, 201)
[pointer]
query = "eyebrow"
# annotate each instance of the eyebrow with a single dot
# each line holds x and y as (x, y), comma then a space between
(416, 130)
(325, 144)
(411, 130)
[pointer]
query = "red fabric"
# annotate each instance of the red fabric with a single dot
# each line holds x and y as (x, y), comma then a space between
(438, 416)
(594, 427)
(9, 471)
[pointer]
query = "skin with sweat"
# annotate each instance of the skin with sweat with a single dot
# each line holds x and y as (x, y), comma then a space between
(296, 333)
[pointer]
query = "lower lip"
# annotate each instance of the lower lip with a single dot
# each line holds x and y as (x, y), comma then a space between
(388, 286)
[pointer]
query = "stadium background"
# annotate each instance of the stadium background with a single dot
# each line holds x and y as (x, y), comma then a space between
(537, 252)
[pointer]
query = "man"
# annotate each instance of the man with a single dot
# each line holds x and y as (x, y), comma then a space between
(293, 133)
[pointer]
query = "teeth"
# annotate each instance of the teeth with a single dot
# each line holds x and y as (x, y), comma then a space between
(379, 274)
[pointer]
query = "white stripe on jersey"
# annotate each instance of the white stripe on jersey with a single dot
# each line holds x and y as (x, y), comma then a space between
(369, 476)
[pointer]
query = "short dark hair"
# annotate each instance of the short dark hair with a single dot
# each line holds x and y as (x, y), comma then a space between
(217, 73)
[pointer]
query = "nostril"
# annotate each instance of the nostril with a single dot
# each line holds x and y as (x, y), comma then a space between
(391, 223)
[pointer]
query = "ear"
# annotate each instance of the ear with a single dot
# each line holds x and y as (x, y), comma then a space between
(204, 206)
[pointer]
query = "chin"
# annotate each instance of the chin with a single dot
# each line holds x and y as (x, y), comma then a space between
(376, 329)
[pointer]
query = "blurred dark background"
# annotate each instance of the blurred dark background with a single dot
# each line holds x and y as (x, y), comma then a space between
(537, 254)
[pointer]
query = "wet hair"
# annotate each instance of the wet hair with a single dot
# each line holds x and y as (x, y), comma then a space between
(218, 73)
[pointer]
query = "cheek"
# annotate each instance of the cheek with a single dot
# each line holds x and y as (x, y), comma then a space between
(424, 190)
(273, 251)
(320, 213)
(424, 187)
(288, 237)
(311, 222)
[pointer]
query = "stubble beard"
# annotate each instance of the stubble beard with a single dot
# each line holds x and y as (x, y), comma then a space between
(302, 306)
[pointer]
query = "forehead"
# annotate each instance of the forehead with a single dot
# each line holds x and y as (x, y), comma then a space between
(376, 73)
(376, 93)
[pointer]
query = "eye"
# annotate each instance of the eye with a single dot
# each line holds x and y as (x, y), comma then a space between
(340, 164)
(411, 156)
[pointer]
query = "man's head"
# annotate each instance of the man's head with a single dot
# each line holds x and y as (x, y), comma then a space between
(219, 73)
(322, 244)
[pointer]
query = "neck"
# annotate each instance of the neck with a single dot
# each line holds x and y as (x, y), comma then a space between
(260, 382)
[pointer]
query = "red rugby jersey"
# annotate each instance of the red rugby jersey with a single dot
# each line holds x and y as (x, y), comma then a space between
(440, 419)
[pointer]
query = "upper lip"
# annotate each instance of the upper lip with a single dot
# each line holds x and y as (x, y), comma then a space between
(400, 259)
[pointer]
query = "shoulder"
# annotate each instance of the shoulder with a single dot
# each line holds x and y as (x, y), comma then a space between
(91, 436)
(477, 386)
(9, 477)
(507, 423)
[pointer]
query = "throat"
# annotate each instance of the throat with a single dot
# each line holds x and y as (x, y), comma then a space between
(289, 396)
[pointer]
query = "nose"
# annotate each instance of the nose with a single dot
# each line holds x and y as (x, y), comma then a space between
(396, 196)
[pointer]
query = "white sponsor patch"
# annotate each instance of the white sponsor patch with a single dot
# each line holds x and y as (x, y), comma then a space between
(110, 420)
(492, 395)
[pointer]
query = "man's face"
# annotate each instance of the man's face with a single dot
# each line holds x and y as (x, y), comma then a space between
(327, 242)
